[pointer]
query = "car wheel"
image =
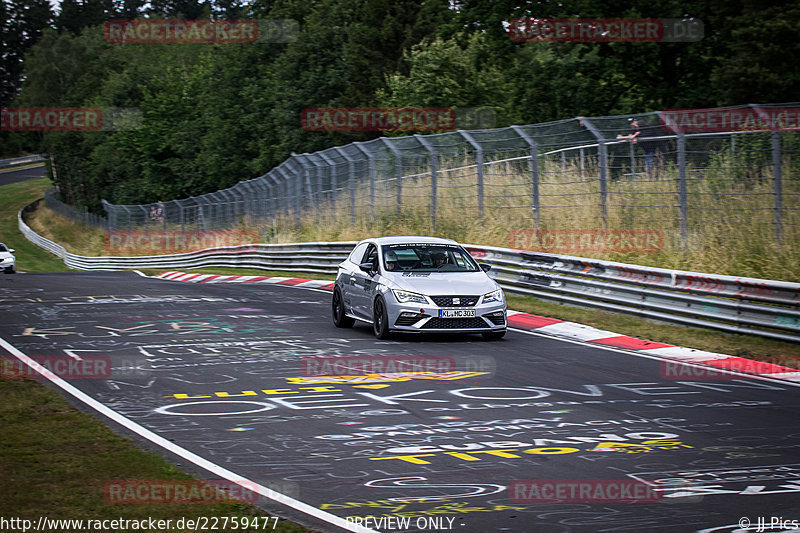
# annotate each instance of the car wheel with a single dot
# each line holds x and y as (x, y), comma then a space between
(380, 320)
(493, 335)
(340, 319)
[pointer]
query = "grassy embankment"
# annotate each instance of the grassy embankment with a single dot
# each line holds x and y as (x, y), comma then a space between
(54, 459)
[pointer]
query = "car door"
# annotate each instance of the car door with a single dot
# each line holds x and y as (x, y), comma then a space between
(362, 284)
(346, 275)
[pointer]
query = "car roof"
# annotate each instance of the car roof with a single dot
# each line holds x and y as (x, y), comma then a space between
(409, 239)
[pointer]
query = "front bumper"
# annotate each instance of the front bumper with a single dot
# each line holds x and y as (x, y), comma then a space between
(415, 317)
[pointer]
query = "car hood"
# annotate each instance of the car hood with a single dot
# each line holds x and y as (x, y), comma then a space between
(444, 283)
(6, 255)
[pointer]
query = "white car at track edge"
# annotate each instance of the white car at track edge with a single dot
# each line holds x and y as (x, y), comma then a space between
(7, 260)
(417, 284)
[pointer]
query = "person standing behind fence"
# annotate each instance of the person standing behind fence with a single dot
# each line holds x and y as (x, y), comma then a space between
(644, 135)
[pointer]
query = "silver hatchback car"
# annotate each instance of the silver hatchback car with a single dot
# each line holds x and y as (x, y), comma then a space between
(417, 284)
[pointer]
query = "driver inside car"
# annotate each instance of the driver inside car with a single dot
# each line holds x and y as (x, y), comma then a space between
(390, 260)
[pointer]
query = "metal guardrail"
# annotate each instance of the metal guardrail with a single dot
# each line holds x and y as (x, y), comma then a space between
(18, 161)
(736, 305)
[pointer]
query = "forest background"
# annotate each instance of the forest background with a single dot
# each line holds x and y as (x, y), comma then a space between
(216, 114)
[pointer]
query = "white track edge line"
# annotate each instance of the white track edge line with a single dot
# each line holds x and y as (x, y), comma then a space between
(180, 451)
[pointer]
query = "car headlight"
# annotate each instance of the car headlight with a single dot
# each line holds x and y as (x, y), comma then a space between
(405, 297)
(494, 296)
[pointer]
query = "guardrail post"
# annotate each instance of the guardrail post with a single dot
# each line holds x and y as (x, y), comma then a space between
(478, 165)
(398, 171)
(371, 163)
(434, 169)
(535, 200)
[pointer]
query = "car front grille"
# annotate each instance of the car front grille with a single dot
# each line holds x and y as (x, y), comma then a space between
(449, 301)
(455, 323)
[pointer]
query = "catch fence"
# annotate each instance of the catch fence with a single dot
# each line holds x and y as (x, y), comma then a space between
(700, 189)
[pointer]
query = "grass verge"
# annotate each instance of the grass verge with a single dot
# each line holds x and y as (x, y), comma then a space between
(55, 462)
(13, 197)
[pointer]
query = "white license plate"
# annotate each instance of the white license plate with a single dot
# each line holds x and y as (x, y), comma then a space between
(457, 313)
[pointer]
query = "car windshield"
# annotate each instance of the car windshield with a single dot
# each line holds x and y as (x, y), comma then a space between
(427, 258)
(3, 248)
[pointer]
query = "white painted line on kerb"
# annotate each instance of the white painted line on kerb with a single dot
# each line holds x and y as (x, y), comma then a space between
(182, 452)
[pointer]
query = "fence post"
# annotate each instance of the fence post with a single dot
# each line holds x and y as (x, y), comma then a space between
(434, 169)
(332, 173)
(602, 161)
(303, 160)
(351, 165)
(371, 163)
(111, 215)
(318, 192)
(777, 178)
(274, 190)
(479, 166)
(683, 196)
(777, 186)
(398, 171)
(535, 200)
(284, 186)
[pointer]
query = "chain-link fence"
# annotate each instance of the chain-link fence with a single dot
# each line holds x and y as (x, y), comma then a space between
(576, 173)
(90, 219)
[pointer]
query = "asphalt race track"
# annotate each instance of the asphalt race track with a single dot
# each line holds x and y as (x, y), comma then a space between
(527, 434)
(22, 174)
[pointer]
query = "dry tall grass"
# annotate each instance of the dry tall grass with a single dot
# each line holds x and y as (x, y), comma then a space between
(730, 222)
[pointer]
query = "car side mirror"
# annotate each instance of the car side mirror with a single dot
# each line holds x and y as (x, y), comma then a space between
(11, 250)
(485, 267)
(366, 267)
